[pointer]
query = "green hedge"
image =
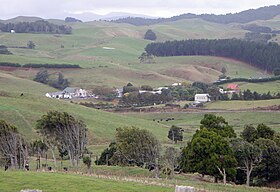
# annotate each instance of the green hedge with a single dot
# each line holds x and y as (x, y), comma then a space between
(260, 80)
(39, 65)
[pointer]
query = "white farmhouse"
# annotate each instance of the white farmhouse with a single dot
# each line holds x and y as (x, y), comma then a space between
(68, 93)
(74, 92)
(56, 95)
(202, 98)
(176, 84)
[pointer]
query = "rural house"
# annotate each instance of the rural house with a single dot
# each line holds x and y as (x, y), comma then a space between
(233, 88)
(68, 93)
(74, 92)
(57, 95)
(202, 98)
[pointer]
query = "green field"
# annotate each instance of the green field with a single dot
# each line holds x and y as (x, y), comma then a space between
(120, 65)
(108, 67)
(272, 87)
(165, 71)
(190, 122)
(239, 105)
(23, 111)
(49, 182)
(115, 67)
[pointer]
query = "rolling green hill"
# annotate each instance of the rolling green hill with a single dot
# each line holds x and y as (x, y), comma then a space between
(23, 111)
(22, 19)
(109, 53)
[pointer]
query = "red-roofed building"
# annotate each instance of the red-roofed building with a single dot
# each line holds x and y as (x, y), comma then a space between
(233, 87)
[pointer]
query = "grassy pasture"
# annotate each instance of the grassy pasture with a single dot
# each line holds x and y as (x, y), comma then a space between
(190, 122)
(17, 180)
(194, 29)
(273, 87)
(23, 111)
(236, 105)
(118, 66)
(165, 71)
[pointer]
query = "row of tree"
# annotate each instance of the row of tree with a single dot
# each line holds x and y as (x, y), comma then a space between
(249, 95)
(61, 130)
(59, 82)
(40, 26)
(33, 65)
(264, 13)
(13, 147)
(276, 72)
(257, 29)
(263, 56)
(58, 130)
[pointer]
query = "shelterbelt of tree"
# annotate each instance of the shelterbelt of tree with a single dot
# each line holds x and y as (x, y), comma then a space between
(263, 13)
(263, 56)
(34, 65)
(40, 26)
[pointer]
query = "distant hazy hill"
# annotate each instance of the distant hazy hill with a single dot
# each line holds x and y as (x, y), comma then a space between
(21, 19)
(89, 16)
(264, 13)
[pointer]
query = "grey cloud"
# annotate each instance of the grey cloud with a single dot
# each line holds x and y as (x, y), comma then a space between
(59, 8)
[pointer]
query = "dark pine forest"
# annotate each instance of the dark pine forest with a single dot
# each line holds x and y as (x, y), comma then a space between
(263, 56)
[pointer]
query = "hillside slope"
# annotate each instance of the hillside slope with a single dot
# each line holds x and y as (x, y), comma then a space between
(118, 65)
(23, 111)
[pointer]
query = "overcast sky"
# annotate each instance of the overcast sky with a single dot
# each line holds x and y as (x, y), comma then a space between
(158, 8)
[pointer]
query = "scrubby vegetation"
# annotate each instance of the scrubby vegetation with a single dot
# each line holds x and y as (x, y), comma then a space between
(4, 50)
(60, 82)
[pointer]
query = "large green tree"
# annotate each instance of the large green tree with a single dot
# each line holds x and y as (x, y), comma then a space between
(138, 146)
(42, 76)
(247, 155)
(217, 124)
(249, 133)
(63, 128)
(268, 170)
(209, 153)
(13, 147)
(263, 131)
(175, 134)
(150, 35)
